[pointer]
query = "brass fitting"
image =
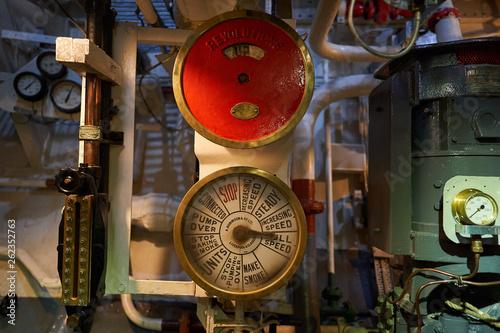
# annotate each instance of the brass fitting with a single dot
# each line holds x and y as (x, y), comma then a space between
(476, 245)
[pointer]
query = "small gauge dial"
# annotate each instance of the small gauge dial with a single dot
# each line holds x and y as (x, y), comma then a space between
(49, 66)
(472, 206)
(30, 86)
(240, 233)
(66, 96)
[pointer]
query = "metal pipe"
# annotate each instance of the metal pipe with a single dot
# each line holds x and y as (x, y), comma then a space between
(147, 9)
(92, 117)
(335, 90)
(156, 324)
(446, 23)
(330, 232)
(155, 211)
(27, 182)
(95, 10)
(323, 20)
(162, 36)
(303, 175)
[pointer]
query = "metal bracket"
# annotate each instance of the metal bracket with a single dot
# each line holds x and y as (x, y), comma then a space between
(83, 56)
(477, 229)
(94, 133)
(90, 132)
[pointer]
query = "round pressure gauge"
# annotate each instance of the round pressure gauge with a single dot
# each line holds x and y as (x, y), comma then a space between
(472, 206)
(30, 86)
(66, 96)
(240, 233)
(243, 79)
(49, 66)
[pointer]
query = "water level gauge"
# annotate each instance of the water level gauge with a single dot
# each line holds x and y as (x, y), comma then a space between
(240, 233)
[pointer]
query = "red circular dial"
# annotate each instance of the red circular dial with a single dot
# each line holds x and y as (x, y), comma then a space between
(244, 79)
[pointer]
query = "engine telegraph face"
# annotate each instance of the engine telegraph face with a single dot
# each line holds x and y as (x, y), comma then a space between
(243, 79)
(240, 233)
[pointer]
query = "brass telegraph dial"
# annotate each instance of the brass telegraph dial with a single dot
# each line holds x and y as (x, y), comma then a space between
(240, 233)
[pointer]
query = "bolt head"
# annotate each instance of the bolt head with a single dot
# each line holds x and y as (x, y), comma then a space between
(438, 183)
(67, 281)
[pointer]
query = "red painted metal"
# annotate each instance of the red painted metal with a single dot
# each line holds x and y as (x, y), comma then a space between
(276, 82)
(378, 10)
(446, 12)
(304, 189)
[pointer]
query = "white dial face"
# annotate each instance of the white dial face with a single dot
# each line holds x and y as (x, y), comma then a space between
(49, 64)
(240, 233)
(480, 210)
(67, 95)
(29, 85)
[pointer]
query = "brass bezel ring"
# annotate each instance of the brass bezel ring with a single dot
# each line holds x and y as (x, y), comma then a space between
(460, 202)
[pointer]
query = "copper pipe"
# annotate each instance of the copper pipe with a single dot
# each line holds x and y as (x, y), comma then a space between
(92, 117)
(464, 277)
(95, 10)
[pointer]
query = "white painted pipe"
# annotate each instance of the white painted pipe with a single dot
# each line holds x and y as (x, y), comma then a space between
(138, 319)
(162, 36)
(196, 10)
(323, 20)
(330, 230)
(147, 9)
(336, 90)
(448, 28)
(303, 164)
(155, 211)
